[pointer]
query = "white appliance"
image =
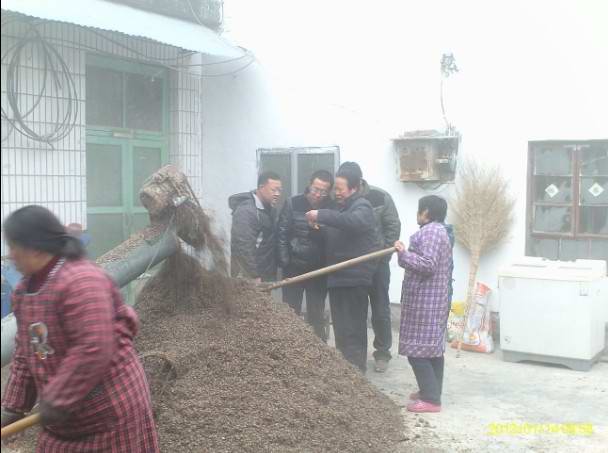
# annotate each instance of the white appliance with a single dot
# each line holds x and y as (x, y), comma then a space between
(553, 311)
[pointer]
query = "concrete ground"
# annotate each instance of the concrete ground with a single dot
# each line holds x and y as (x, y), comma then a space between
(482, 393)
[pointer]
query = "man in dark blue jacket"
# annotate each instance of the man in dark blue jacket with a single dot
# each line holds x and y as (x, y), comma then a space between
(350, 231)
(301, 249)
(389, 231)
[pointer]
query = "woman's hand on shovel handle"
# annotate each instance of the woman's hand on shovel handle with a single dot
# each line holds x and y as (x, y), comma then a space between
(51, 415)
(400, 247)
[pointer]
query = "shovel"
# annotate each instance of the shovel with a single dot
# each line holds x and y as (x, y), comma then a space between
(20, 425)
(330, 269)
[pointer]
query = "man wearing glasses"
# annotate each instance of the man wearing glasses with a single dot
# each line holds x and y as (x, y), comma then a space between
(301, 249)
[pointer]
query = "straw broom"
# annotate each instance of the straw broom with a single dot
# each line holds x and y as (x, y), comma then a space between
(482, 212)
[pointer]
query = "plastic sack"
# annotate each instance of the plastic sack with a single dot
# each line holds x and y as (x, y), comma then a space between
(455, 323)
(477, 333)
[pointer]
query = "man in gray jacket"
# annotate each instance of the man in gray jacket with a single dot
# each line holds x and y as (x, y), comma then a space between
(389, 231)
(253, 235)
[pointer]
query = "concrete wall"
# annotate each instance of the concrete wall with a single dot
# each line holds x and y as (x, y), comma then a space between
(523, 76)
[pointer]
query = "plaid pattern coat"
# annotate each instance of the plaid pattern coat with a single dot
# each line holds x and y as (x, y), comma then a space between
(74, 350)
(424, 296)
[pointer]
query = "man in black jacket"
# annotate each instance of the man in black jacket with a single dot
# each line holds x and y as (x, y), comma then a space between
(350, 232)
(389, 230)
(253, 235)
(301, 249)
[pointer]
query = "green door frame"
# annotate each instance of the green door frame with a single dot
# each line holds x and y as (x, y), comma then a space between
(129, 207)
(127, 139)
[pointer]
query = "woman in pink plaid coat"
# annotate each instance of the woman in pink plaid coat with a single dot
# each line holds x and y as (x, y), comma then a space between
(424, 302)
(74, 349)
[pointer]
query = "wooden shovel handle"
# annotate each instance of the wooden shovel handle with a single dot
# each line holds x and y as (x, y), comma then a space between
(20, 425)
(330, 269)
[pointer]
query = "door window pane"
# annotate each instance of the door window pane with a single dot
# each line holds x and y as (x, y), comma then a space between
(552, 219)
(594, 160)
(553, 189)
(144, 102)
(594, 219)
(104, 97)
(146, 160)
(553, 160)
(309, 163)
(104, 175)
(594, 190)
(106, 232)
(279, 163)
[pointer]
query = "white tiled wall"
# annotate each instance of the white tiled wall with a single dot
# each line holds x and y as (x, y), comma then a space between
(35, 173)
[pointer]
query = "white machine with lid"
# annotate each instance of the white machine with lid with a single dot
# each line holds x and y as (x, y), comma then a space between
(553, 311)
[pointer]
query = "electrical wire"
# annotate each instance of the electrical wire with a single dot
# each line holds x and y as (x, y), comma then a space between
(155, 61)
(180, 69)
(194, 12)
(56, 74)
(62, 80)
(247, 53)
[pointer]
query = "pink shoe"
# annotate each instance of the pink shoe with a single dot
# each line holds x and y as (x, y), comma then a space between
(414, 396)
(420, 406)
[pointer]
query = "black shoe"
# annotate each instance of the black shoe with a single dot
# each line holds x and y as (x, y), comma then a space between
(381, 366)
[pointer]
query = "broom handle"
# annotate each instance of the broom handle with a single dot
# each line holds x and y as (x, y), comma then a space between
(20, 425)
(332, 268)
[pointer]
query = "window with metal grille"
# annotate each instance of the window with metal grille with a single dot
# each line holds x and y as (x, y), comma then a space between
(568, 199)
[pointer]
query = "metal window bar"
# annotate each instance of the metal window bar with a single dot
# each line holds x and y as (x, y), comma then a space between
(33, 173)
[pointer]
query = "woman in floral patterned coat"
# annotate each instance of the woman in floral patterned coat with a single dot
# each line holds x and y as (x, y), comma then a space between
(74, 349)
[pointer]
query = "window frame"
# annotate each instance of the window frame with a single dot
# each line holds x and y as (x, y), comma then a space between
(575, 231)
(124, 66)
(294, 152)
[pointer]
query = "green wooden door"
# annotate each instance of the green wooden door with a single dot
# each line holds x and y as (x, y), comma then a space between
(116, 170)
(127, 126)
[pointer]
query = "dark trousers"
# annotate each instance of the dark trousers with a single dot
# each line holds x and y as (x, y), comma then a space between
(381, 311)
(349, 318)
(429, 375)
(316, 291)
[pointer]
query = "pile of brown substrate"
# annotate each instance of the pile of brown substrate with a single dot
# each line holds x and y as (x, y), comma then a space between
(232, 371)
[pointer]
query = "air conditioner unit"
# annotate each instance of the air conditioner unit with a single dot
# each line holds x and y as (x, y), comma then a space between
(426, 156)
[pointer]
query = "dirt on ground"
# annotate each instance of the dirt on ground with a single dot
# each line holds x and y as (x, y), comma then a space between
(231, 370)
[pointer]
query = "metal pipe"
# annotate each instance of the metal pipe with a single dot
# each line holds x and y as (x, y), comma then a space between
(138, 261)
(9, 330)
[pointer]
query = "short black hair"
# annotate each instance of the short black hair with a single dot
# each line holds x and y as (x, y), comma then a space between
(353, 179)
(436, 207)
(267, 175)
(352, 166)
(324, 176)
